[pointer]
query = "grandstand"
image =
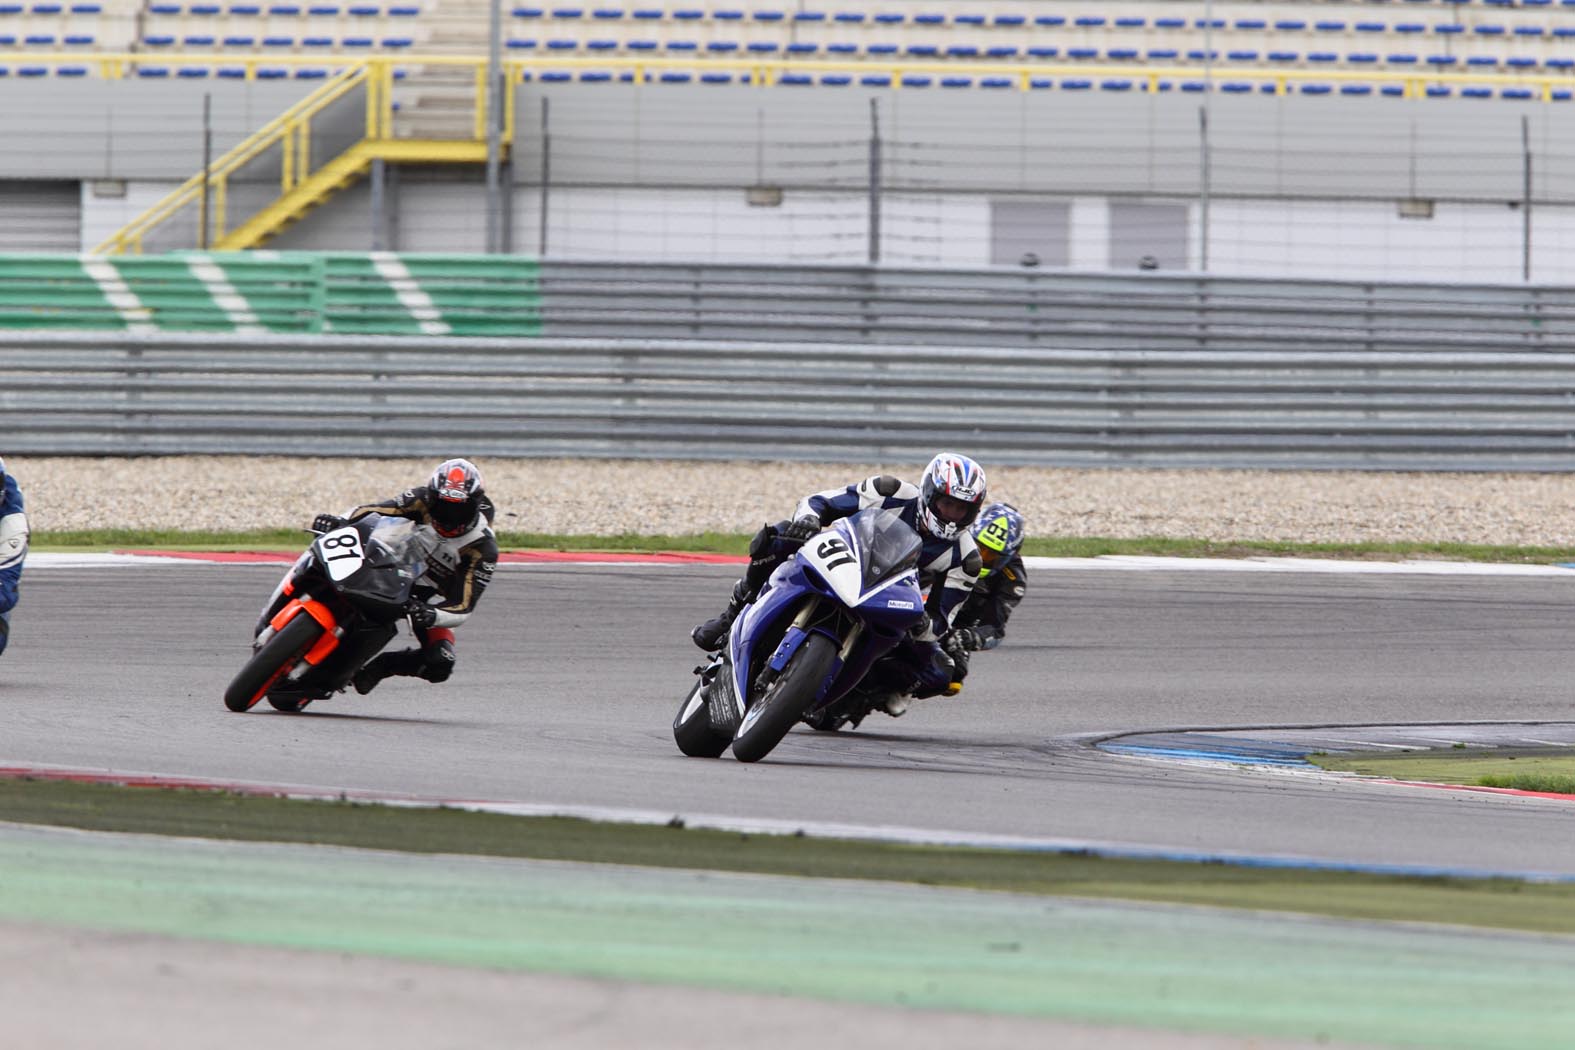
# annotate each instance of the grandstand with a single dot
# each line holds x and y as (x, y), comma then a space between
(378, 108)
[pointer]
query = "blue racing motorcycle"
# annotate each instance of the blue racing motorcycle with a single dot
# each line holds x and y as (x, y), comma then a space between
(845, 599)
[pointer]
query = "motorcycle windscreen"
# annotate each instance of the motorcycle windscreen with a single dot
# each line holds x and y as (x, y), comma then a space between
(888, 545)
(396, 552)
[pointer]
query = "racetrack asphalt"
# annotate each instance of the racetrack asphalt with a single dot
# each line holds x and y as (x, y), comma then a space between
(569, 676)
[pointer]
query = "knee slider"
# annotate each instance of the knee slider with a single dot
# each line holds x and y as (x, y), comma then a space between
(439, 661)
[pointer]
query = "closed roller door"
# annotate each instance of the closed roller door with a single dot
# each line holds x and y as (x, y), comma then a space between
(40, 216)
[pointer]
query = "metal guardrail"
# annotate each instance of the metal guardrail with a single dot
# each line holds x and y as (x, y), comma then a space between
(1338, 406)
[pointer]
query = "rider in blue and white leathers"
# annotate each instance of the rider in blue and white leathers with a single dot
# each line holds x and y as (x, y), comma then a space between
(939, 509)
(13, 549)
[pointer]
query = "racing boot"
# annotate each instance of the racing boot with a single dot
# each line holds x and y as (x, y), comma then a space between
(386, 665)
(709, 635)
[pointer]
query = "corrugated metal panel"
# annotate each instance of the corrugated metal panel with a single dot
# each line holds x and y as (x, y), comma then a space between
(40, 216)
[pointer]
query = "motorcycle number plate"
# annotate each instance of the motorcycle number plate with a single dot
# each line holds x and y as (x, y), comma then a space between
(341, 552)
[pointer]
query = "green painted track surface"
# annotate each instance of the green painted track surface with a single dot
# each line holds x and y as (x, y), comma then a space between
(1180, 969)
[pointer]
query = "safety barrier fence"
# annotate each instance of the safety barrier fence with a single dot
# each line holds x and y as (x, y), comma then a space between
(1281, 404)
(419, 294)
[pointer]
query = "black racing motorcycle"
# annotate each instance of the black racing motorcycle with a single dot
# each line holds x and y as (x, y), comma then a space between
(337, 607)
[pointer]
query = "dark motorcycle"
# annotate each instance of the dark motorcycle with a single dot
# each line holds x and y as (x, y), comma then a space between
(337, 607)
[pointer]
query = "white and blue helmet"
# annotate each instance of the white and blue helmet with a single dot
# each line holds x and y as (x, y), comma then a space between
(950, 495)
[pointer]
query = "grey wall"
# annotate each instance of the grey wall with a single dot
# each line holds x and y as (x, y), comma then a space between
(1052, 142)
(127, 129)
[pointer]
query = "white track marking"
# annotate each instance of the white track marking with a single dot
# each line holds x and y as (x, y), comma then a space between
(138, 317)
(419, 303)
(225, 295)
(1306, 565)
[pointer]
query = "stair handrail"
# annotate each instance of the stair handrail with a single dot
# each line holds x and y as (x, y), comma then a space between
(286, 124)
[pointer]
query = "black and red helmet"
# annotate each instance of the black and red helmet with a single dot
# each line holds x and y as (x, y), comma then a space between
(456, 496)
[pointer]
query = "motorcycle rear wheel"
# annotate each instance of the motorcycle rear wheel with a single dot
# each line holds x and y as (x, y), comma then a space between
(272, 662)
(784, 701)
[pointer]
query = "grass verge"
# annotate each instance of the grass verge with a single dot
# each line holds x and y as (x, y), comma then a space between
(1531, 769)
(1505, 904)
(731, 543)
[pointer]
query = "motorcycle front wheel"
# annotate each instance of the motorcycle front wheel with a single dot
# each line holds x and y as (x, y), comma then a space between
(692, 728)
(272, 662)
(769, 718)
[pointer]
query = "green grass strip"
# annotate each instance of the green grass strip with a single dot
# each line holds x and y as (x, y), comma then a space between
(1524, 769)
(738, 543)
(1497, 903)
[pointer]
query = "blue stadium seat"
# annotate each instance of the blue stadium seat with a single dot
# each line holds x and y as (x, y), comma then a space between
(1442, 60)
(800, 47)
(1355, 89)
(1401, 59)
(1041, 83)
(1242, 56)
(1518, 93)
(78, 40)
(769, 16)
(1322, 57)
(1329, 26)
(1115, 85)
(1082, 52)
(607, 14)
(1392, 90)
(594, 76)
(1193, 86)
(1564, 32)
(1481, 61)
(39, 40)
(716, 78)
(929, 19)
(890, 18)
(688, 14)
(850, 16)
(203, 10)
(1529, 31)
(71, 71)
(956, 82)
(567, 14)
(1003, 51)
(842, 49)
(881, 49)
(238, 40)
(1448, 29)
(875, 80)
(349, 41)
(968, 20)
(1476, 92)
(11, 9)
(1199, 55)
(1043, 52)
(1290, 25)
(1284, 56)
(1521, 62)
(647, 14)
(1361, 58)
(1316, 89)
(1487, 30)
(923, 50)
(915, 80)
(836, 79)
(809, 16)
(87, 9)
(763, 47)
(601, 45)
(557, 76)
(145, 71)
(1050, 20)
(197, 40)
(1371, 27)
(728, 15)
(1560, 63)
(962, 51)
(682, 45)
(528, 12)
(272, 73)
(1235, 87)
(1410, 28)
(1204, 23)
(160, 40)
(1121, 54)
(996, 82)
(232, 72)
(1075, 84)
(521, 45)
(404, 11)
(721, 47)
(1252, 24)
(47, 9)
(1170, 23)
(310, 73)
(1439, 91)
(1121, 23)
(1089, 21)
(1560, 95)
(1161, 54)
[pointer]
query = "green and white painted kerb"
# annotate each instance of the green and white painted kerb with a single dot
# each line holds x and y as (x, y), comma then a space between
(253, 293)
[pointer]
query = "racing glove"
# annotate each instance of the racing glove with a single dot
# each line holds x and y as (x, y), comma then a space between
(421, 614)
(802, 529)
(936, 672)
(328, 523)
(964, 640)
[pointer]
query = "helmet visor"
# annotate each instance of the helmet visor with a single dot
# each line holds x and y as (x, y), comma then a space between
(952, 510)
